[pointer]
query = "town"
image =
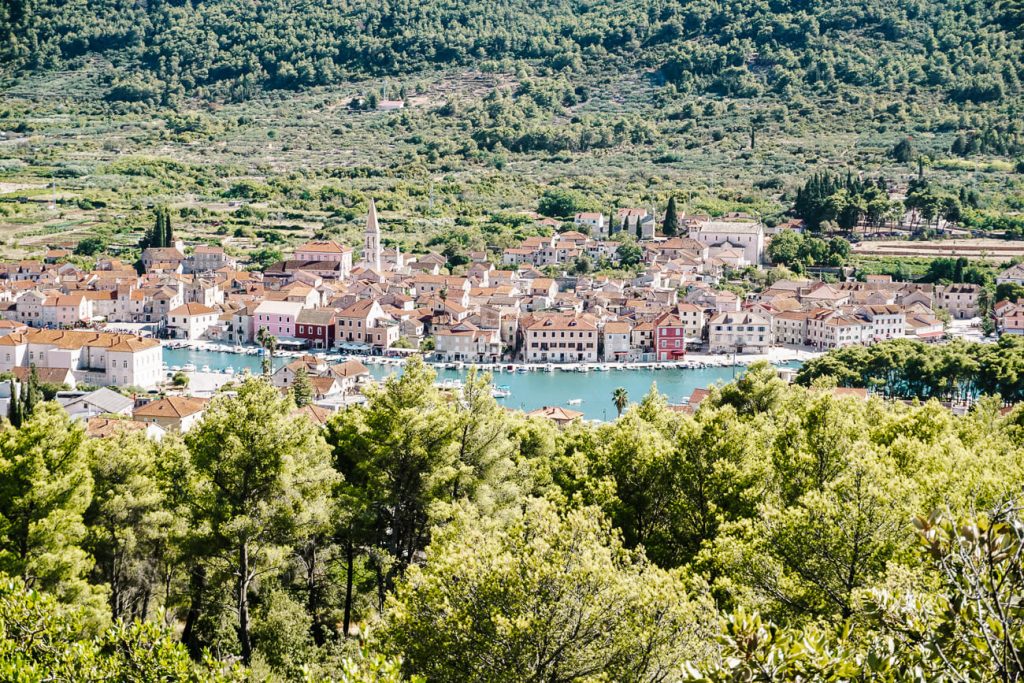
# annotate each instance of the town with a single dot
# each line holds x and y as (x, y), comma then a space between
(107, 326)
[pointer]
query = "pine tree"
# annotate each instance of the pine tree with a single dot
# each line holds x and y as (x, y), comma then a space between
(671, 224)
(302, 388)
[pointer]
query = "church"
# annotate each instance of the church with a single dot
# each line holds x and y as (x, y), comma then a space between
(375, 257)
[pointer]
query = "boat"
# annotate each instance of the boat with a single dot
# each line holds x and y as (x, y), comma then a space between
(188, 368)
(229, 370)
(574, 401)
(501, 391)
(176, 368)
(205, 368)
(522, 369)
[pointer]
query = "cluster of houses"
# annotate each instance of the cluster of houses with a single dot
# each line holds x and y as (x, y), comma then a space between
(101, 323)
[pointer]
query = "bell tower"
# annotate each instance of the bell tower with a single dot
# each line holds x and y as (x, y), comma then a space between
(371, 240)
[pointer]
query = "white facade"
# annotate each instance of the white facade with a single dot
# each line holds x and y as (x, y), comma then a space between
(92, 357)
(748, 237)
(742, 332)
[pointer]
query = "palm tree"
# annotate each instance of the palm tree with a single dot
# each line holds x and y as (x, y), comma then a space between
(620, 397)
(269, 342)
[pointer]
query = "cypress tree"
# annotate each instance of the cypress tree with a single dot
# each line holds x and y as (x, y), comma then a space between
(32, 395)
(671, 224)
(14, 407)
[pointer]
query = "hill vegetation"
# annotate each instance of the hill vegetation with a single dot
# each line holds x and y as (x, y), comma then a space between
(963, 48)
(463, 542)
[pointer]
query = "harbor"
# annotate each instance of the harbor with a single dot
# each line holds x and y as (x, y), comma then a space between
(583, 387)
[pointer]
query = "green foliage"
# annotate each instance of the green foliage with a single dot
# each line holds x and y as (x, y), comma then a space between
(671, 223)
(958, 270)
(41, 640)
(559, 203)
(866, 45)
(131, 520)
(302, 388)
(262, 479)
(161, 234)
(903, 151)
(90, 246)
(845, 201)
(543, 597)
(45, 488)
(904, 368)
(797, 251)
(470, 542)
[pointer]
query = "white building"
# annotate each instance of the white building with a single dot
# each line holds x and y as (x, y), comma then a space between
(206, 259)
(1013, 275)
(96, 358)
(743, 332)
(616, 335)
(467, 342)
(745, 236)
(561, 339)
(887, 321)
(191, 321)
(593, 222)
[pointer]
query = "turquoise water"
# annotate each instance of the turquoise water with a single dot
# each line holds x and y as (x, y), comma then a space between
(530, 390)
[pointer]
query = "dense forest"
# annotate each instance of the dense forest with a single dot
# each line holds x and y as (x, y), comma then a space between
(779, 533)
(967, 49)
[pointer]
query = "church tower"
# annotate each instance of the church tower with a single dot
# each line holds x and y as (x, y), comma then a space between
(371, 240)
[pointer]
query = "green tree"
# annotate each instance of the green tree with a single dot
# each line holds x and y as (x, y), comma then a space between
(302, 388)
(903, 151)
(560, 203)
(541, 597)
(43, 640)
(620, 397)
(45, 487)
(269, 343)
(398, 452)
(130, 525)
(785, 247)
(263, 479)
(671, 225)
(630, 255)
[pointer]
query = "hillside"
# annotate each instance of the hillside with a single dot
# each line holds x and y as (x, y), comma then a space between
(726, 106)
(962, 48)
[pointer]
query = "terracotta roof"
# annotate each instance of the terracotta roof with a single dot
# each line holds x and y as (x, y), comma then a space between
(562, 322)
(103, 427)
(556, 413)
(192, 309)
(324, 247)
(76, 339)
(349, 368)
(316, 414)
(45, 375)
(174, 407)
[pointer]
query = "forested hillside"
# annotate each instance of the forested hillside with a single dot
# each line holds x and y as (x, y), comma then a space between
(463, 542)
(965, 48)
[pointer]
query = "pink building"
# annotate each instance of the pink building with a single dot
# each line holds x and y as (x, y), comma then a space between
(669, 337)
(277, 317)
